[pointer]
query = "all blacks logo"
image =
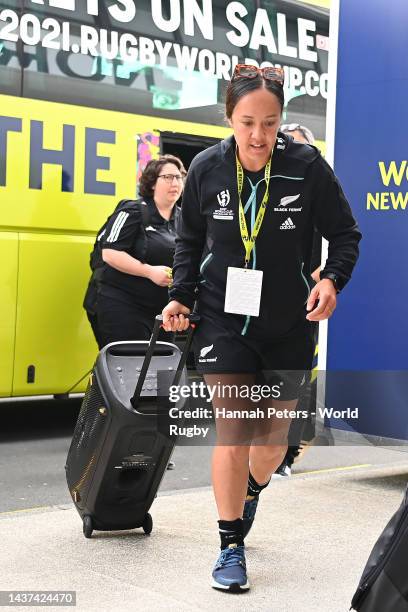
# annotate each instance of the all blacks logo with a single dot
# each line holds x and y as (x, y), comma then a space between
(224, 198)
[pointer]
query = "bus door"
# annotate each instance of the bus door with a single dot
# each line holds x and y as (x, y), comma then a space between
(184, 146)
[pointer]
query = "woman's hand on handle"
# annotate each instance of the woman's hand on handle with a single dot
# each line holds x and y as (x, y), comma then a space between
(174, 318)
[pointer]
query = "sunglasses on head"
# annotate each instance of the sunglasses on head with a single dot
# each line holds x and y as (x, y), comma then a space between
(296, 127)
(269, 73)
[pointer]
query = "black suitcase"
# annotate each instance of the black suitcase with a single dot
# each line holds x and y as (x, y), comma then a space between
(119, 453)
(384, 584)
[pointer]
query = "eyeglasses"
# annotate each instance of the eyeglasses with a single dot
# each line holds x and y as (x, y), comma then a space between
(296, 127)
(269, 73)
(169, 178)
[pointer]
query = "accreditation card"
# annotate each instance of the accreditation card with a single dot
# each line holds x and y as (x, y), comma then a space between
(243, 291)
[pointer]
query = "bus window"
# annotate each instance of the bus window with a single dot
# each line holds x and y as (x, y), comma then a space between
(181, 65)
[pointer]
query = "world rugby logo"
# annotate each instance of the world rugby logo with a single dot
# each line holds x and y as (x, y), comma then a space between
(224, 198)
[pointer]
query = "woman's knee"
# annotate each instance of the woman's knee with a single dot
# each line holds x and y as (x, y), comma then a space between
(231, 454)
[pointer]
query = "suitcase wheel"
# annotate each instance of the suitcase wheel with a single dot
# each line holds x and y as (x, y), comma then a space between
(87, 526)
(147, 524)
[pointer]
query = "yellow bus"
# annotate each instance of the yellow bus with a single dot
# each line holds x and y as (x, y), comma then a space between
(90, 90)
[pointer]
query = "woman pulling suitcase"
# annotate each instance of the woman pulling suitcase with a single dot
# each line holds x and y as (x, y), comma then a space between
(243, 251)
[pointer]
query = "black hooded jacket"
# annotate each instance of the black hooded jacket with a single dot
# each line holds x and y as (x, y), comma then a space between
(304, 194)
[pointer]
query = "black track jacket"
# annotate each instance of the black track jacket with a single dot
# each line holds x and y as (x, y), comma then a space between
(303, 194)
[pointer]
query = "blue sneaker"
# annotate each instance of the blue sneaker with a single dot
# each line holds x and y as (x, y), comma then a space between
(229, 573)
(248, 515)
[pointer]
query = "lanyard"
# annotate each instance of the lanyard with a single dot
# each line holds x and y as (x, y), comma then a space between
(249, 241)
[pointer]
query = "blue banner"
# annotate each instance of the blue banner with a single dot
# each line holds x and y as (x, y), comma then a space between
(369, 330)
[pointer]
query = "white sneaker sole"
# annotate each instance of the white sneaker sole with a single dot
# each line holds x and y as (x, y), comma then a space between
(234, 588)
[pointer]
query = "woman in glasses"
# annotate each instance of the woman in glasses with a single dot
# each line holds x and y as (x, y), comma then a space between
(243, 254)
(137, 248)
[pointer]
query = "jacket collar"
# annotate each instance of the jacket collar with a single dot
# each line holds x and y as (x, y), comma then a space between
(228, 145)
(156, 216)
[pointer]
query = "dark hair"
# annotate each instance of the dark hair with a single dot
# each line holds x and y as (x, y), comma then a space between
(239, 87)
(151, 172)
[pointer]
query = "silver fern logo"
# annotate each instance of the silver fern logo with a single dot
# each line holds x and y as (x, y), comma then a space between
(289, 199)
(204, 351)
(286, 201)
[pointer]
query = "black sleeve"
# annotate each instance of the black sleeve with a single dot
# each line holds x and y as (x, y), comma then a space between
(191, 233)
(334, 220)
(122, 230)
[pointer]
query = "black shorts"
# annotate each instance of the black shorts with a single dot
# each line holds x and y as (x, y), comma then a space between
(219, 348)
(121, 321)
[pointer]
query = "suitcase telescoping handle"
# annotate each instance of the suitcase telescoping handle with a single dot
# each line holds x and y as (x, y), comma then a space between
(194, 319)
